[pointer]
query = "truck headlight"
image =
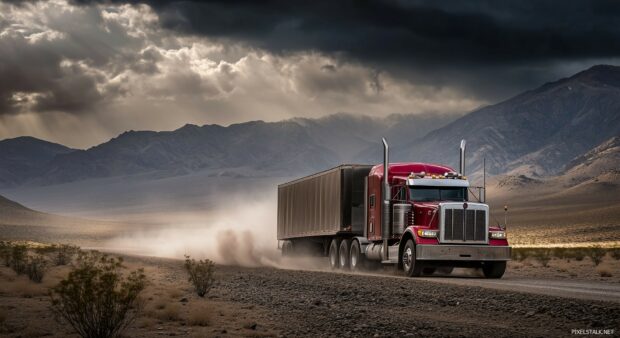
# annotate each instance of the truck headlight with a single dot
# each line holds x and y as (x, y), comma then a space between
(498, 234)
(428, 233)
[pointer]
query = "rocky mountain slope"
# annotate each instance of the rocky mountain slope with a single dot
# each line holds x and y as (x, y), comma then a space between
(538, 132)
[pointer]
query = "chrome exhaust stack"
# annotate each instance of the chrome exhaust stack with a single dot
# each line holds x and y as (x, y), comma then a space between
(385, 207)
(462, 158)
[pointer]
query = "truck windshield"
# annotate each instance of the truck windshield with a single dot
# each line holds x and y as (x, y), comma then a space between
(428, 194)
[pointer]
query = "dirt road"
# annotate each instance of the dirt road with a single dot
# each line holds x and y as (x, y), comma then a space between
(570, 289)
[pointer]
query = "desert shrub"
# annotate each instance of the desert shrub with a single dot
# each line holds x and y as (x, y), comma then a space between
(19, 254)
(560, 252)
(517, 255)
(35, 268)
(604, 271)
(596, 254)
(200, 274)
(543, 256)
(44, 249)
(579, 254)
(64, 254)
(5, 252)
(520, 254)
(96, 299)
(615, 253)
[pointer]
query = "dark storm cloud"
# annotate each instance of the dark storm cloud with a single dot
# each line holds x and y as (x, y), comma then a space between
(427, 39)
(36, 71)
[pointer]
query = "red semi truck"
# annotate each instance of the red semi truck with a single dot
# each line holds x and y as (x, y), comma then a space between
(416, 216)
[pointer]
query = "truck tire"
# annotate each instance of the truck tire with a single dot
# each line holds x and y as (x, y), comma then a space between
(334, 262)
(343, 253)
(411, 266)
(494, 269)
(356, 259)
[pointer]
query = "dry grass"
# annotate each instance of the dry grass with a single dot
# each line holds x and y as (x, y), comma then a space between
(175, 293)
(199, 315)
(171, 311)
(604, 271)
(145, 323)
(160, 303)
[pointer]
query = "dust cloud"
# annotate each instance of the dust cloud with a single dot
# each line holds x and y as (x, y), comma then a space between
(242, 232)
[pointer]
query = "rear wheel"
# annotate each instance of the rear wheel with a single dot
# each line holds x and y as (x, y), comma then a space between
(356, 259)
(494, 269)
(411, 266)
(343, 253)
(334, 262)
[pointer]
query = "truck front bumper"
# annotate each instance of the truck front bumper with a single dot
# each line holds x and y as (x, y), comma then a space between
(442, 252)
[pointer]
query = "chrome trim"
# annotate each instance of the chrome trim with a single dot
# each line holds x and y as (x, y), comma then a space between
(463, 252)
(459, 206)
(385, 205)
(438, 182)
(462, 158)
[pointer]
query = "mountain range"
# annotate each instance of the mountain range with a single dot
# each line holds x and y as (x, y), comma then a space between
(541, 132)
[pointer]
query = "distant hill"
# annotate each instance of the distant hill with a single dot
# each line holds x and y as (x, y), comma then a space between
(13, 213)
(538, 132)
(25, 157)
(253, 148)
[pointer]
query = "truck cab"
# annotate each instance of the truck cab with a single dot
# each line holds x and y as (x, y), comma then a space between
(433, 222)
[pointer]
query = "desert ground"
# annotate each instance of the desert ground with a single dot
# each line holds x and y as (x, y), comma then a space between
(266, 301)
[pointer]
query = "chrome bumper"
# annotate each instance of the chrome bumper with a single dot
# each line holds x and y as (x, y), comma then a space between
(462, 252)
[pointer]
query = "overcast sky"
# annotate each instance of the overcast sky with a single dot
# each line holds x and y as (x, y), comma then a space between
(81, 72)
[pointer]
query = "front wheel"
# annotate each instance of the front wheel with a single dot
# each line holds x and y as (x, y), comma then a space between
(494, 269)
(411, 266)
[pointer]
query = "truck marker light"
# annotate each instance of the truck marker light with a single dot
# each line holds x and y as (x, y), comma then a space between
(427, 233)
(497, 234)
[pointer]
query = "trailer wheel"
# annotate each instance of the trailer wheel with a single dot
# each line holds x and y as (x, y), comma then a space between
(356, 259)
(411, 266)
(334, 262)
(343, 253)
(494, 269)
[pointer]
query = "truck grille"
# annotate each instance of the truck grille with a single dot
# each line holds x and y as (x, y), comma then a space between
(464, 225)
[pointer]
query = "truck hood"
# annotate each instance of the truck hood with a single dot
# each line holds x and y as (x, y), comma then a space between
(425, 213)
